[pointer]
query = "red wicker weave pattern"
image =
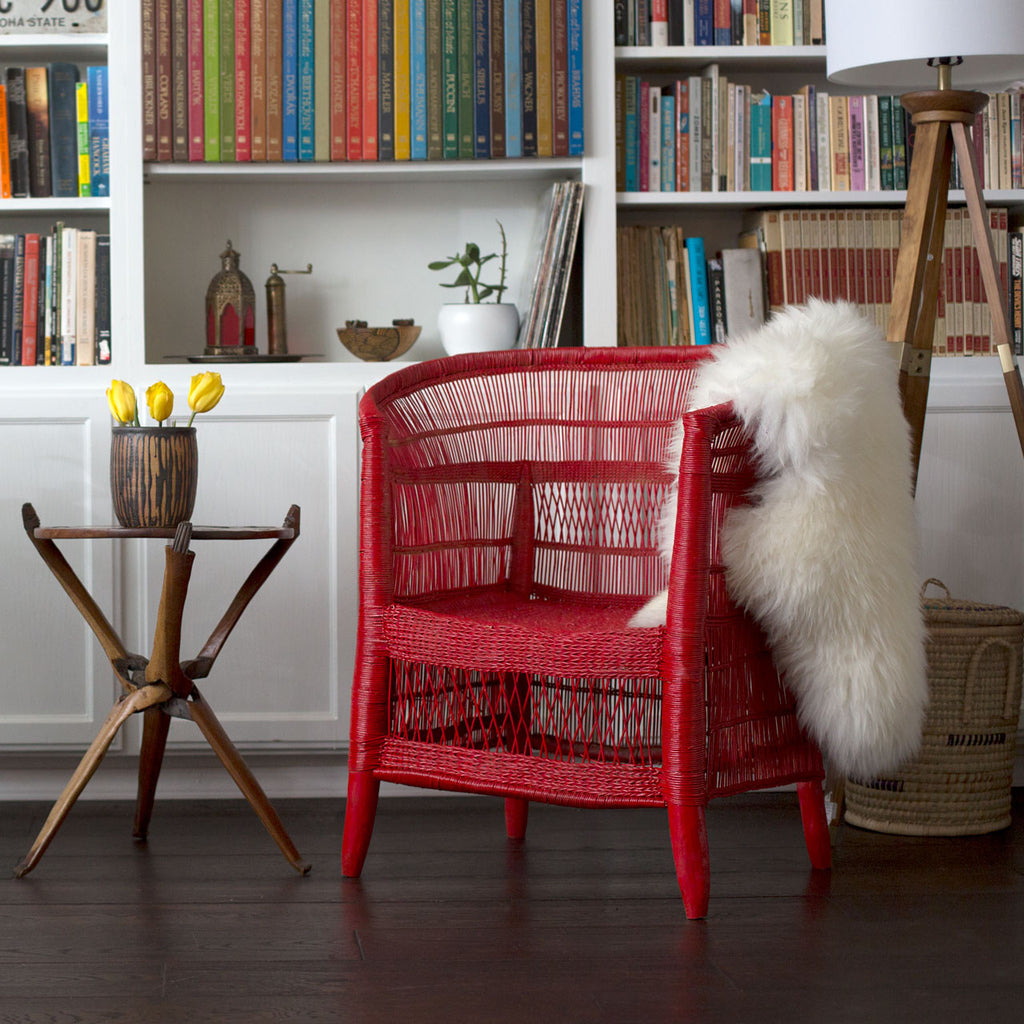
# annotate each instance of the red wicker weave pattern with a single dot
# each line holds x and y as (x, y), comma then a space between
(509, 516)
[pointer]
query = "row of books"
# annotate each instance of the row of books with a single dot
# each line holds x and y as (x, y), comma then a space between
(55, 298)
(333, 80)
(851, 255)
(719, 22)
(704, 133)
(54, 131)
(671, 293)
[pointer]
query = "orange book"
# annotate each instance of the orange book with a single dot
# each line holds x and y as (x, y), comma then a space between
(339, 121)
(782, 143)
(354, 79)
(5, 157)
(369, 94)
(30, 304)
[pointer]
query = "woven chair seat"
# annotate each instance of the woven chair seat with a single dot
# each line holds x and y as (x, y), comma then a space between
(505, 632)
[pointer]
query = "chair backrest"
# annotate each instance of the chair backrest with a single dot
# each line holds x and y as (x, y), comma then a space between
(542, 471)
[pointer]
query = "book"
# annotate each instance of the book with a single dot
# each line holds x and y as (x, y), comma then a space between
(243, 80)
(62, 80)
(481, 80)
(275, 81)
(305, 83)
(339, 80)
(742, 277)
(386, 79)
(102, 299)
(1016, 291)
(682, 107)
(782, 143)
(528, 47)
(698, 277)
(30, 300)
(321, 79)
(37, 107)
(418, 79)
(668, 141)
(544, 84)
(560, 78)
(211, 82)
(872, 145)
(885, 166)
(85, 299)
(575, 60)
(148, 60)
(5, 158)
(800, 153)
(17, 131)
(403, 83)
(97, 82)
(18, 299)
(434, 80)
(226, 71)
(196, 94)
(179, 80)
(290, 81)
(164, 81)
(839, 133)
(370, 80)
(82, 137)
(761, 141)
(68, 311)
(855, 113)
(513, 80)
(496, 85)
(782, 22)
(7, 242)
(899, 144)
(716, 301)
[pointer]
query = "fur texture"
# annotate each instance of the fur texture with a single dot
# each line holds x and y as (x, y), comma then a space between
(825, 556)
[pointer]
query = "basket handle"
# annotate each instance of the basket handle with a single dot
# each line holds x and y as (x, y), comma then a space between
(972, 671)
(938, 583)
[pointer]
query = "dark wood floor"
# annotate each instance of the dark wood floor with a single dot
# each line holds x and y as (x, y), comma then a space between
(452, 923)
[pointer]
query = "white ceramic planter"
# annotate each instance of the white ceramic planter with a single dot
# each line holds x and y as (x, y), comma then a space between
(477, 327)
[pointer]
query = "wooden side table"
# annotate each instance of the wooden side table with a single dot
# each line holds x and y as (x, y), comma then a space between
(161, 687)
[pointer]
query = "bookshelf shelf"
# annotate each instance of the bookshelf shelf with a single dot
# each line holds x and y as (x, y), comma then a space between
(736, 58)
(53, 204)
(405, 171)
(758, 200)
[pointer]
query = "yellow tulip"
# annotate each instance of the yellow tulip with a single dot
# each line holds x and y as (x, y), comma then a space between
(160, 400)
(204, 392)
(121, 399)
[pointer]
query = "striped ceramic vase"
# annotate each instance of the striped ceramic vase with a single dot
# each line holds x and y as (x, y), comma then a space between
(153, 474)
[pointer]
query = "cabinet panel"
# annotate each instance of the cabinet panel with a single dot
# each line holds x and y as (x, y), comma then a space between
(283, 675)
(55, 682)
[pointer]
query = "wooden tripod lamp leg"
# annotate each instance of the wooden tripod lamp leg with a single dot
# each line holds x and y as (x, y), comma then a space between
(138, 700)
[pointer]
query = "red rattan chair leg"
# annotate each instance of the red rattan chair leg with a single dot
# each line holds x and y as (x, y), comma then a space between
(360, 811)
(690, 851)
(815, 819)
(516, 812)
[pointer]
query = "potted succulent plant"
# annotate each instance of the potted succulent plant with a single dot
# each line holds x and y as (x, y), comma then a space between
(475, 324)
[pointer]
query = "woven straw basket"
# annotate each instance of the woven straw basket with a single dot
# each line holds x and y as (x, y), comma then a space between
(959, 784)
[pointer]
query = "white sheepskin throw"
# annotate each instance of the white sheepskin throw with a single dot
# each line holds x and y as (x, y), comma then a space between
(825, 556)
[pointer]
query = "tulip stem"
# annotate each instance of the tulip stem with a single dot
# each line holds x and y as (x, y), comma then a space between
(191, 418)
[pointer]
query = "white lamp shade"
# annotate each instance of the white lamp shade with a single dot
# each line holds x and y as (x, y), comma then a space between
(887, 43)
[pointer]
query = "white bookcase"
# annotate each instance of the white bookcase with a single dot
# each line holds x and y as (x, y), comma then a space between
(286, 432)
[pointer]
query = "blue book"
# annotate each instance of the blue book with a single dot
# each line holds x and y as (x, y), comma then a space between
(418, 78)
(575, 77)
(761, 142)
(290, 80)
(62, 80)
(513, 79)
(668, 142)
(481, 80)
(632, 133)
(699, 291)
(99, 129)
(306, 81)
(704, 22)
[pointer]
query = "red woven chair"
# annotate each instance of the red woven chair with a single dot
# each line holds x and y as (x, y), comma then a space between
(509, 513)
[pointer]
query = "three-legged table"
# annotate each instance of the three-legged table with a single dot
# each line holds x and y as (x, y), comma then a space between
(161, 687)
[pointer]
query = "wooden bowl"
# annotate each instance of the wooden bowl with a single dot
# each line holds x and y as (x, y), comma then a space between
(379, 344)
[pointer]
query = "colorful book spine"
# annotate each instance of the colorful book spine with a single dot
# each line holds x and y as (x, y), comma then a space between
(481, 80)
(179, 80)
(164, 72)
(885, 169)
(761, 142)
(496, 31)
(196, 95)
(5, 156)
(464, 49)
(403, 84)
(322, 80)
(370, 80)
(513, 79)
(258, 80)
(63, 121)
(148, 60)
(386, 79)
(99, 129)
(631, 89)
(243, 80)
(545, 127)
(354, 79)
(559, 78)
(227, 80)
(30, 300)
(290, 80)
(899, 145)
(704, 22)
(305, 83)
(211, 82)
(275, 83)
(102, 299)
(17, 131)
(699, 290)
(528, 47)
(339, 81)
(435, 81)
(575, 58)
(855, 108)
(668, 141)
(449, 79)
(782, 143)
(418, 79)
(82, 123)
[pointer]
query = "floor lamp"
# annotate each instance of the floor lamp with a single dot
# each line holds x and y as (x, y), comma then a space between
(899, 44)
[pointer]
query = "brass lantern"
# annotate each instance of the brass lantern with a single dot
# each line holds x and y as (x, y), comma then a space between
(230, 310)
